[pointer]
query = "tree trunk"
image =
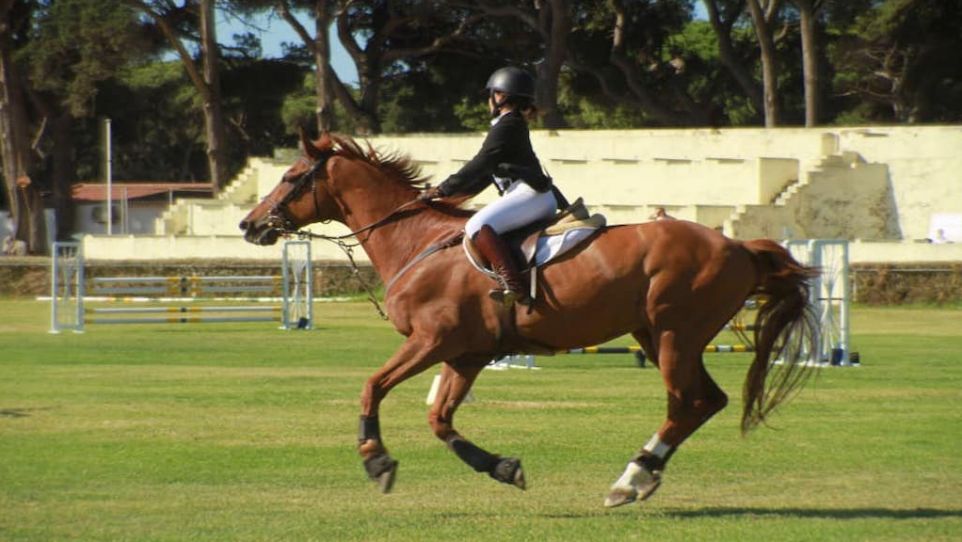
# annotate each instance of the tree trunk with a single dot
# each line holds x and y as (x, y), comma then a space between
(370, 82)
(63, 176)
(213, 111)
(766, 44)
(555, 23)
(26, 205)
(205, 80)
(322, 59)
(338, 90)
(806, 9)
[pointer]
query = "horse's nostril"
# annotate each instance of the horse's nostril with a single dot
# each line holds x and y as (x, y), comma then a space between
(243, 225)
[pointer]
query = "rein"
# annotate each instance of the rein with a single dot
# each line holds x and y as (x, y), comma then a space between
(279, 220)
(348, 249)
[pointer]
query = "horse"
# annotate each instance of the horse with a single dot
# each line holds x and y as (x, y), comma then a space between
(671, 284)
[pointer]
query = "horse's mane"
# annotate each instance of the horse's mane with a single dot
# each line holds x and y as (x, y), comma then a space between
(398, 165)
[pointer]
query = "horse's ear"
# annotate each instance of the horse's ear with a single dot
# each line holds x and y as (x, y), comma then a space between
(308, 147)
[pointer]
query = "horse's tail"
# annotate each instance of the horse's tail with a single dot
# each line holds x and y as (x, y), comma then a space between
(785, 327)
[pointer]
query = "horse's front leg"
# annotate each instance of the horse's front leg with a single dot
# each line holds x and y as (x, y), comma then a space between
(456, 380)
(414, 356)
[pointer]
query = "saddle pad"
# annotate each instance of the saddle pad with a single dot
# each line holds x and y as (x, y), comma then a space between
(554, 240)
(551, 246)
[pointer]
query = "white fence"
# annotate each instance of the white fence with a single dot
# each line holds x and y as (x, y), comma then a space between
(70, 289)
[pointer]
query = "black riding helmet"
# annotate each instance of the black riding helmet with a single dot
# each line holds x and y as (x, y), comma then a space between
(511, 81)
(515, 82)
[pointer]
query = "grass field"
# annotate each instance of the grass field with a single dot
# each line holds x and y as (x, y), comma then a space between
(244, 432)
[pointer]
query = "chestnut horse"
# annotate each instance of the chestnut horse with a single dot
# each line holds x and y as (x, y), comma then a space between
(671, 284)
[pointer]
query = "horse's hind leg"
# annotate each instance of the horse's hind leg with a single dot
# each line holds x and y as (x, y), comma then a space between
(456, 381)
(693, 398)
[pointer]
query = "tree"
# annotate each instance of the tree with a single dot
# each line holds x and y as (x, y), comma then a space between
(394, 33)
(808, 21)
(901, 61)
(23, 195)
(75, 46)
(551, 21)
(626, 48)
(723, 14)
(205, 78)
(319, 45)
(764, 13)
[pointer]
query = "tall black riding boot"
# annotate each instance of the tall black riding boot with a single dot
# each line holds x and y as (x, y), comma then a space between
(494, 249)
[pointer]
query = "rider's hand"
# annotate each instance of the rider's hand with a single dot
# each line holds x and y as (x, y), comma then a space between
(430, 194)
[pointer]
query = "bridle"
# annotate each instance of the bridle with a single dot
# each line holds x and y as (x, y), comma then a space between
(279, 218)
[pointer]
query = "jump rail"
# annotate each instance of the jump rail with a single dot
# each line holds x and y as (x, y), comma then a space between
(69, 290)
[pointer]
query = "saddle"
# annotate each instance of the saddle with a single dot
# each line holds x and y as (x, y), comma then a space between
(539, 243)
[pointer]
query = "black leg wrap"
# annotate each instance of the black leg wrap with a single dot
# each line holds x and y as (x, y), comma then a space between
(370, 429)
(477, 458)
(652, 462)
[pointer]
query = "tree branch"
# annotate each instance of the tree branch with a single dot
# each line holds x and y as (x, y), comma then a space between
(189, 65)
(284, 10)
(346, 38)
(437, 45)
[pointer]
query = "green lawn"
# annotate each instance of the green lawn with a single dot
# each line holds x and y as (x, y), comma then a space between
(244, 432)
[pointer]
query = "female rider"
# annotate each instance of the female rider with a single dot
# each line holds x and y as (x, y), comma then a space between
(507, 159)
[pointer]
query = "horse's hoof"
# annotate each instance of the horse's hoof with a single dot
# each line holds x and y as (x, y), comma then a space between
(636, 484)
(382, 469)
(648, 489)
(519, 481)
(509, 471)
(385, 482)
(619, 497)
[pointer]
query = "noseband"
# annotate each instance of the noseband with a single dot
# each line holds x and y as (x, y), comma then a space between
(278, 216)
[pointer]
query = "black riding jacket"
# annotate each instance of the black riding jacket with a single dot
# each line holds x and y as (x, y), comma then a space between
(506, 152)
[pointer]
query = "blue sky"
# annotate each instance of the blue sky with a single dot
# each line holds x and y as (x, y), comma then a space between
(273, 32)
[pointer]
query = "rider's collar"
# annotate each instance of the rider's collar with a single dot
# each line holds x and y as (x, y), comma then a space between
(499, 117)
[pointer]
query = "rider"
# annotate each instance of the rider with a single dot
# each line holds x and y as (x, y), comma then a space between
(507, 159)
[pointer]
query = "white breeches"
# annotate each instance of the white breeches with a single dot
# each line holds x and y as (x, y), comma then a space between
(519, 206)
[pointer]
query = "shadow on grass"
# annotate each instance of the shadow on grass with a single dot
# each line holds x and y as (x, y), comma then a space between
(780, 513)
(19, 412)
(819, 513)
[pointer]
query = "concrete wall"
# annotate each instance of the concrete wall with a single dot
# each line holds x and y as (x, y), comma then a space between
(153, 247)
(856, 183)
(839, 200)
(91, 217)
(6, 224)
(925, 169)
(171, 247)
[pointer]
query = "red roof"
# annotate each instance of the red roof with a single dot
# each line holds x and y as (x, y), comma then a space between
(135, 190)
